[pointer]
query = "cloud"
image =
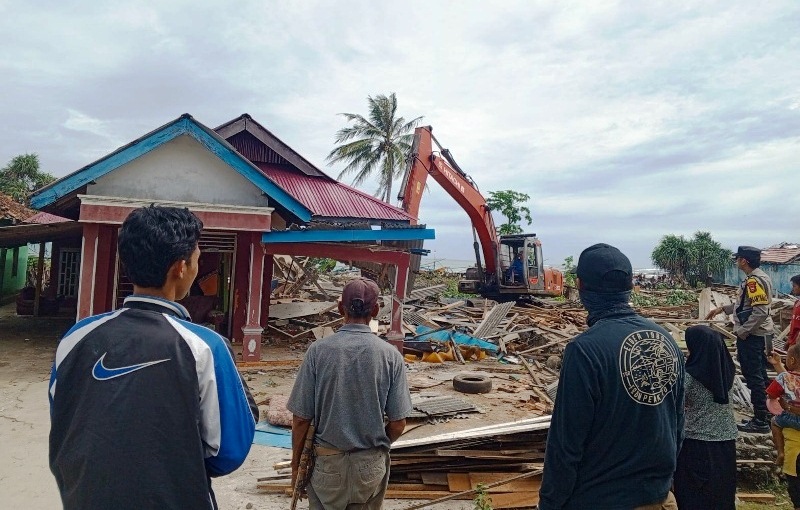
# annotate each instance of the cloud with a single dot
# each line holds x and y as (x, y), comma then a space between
(623, 121)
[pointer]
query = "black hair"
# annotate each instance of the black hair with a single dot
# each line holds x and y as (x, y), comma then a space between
(795, 279)
(753, 262)
(152, 239)
(358, 309)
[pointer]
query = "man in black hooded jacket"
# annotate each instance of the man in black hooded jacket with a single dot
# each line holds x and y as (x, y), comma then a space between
(617, 425)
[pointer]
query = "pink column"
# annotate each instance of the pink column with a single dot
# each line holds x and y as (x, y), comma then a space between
(251, 338)
(396, 335)
(86, 285)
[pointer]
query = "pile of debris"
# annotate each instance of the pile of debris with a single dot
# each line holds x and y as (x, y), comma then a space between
(521, 345)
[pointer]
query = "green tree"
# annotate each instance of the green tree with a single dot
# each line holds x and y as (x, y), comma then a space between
(509, 204)
(691, 260)
(21, 176)
(673, 254)
(378, 142)
(710, 258)
(569, 271)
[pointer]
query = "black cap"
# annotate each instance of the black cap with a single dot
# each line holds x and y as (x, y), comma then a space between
(603, 268)
(749, 253)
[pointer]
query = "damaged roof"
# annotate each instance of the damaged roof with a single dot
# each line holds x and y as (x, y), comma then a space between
(324, 196)
(12, 212)
(782, 253)
(329, 198)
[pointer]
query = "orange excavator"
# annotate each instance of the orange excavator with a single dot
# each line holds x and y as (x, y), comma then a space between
(512, 267)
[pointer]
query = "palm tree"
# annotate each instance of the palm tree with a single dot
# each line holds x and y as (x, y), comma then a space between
(674, 254)
(378, 143)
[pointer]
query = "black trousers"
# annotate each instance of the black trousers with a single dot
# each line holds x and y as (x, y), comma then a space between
(751, 356)
(705, 478)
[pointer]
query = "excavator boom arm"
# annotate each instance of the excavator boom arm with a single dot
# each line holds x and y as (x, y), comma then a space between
(424, 161)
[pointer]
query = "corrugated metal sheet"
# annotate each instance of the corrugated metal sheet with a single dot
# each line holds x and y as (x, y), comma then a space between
(327, 197)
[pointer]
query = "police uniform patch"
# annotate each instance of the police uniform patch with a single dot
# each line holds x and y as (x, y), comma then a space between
(755, 292)
(649, 366)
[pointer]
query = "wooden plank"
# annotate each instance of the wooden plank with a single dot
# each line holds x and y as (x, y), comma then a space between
(540, 347)
(398, 494)
(704, 302)
(413, 487)
(524, 485)
(458, 482)
(470, 492)
(677, 333)
(434, 478)
(443, 452)
(762, 497)
(526, 425)
(527, 499)
(727, 334)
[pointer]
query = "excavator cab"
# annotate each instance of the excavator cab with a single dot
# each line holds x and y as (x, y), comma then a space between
(522, 270)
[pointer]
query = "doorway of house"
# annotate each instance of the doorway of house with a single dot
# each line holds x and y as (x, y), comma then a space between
(210, 300)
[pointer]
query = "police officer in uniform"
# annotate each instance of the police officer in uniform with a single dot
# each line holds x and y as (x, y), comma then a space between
(753, 328)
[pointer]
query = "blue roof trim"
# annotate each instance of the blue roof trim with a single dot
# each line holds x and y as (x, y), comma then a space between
(313, 236)
(70, 183)
(183, 125)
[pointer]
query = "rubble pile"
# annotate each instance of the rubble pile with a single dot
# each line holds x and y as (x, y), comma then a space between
(512, 351)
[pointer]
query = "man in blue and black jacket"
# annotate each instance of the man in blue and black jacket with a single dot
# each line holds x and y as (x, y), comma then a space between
(617, 424)
(146, 406)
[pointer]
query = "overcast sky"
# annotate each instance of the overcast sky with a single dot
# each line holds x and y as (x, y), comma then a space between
(624, 121)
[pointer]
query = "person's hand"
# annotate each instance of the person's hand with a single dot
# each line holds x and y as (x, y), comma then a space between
(713, 313)
(774, 359)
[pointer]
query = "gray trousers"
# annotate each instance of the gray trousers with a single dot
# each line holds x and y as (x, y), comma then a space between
(349, 481)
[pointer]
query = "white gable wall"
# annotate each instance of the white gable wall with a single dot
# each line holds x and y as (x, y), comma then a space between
(181, 170)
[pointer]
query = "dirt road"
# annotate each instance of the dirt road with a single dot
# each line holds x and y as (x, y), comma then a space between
(27, 349)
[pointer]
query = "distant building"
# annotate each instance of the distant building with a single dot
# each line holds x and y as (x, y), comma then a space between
(780, 262)
(13, 261)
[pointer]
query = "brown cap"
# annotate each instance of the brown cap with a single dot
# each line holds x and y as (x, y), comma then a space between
(359, 297)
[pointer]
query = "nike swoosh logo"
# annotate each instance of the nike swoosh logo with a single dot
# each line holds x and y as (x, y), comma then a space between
(103, 373)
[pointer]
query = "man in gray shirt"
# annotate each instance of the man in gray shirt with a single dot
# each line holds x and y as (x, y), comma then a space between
(347, 383)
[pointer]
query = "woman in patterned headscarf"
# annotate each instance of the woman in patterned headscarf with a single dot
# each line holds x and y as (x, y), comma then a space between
(706, 474)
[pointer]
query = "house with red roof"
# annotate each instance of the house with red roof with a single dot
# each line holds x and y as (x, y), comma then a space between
(256, 196)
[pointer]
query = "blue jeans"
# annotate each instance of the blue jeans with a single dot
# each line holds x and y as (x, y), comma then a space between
(787, 420)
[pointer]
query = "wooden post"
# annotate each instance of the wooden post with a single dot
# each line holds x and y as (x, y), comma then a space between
(395, 336)
(39, 277)
(251, 331)
(3, 255)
